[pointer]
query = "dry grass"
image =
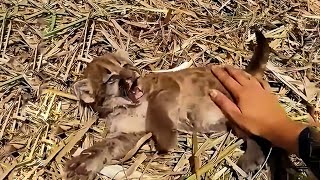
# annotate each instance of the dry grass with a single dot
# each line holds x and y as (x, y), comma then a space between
(45, 45)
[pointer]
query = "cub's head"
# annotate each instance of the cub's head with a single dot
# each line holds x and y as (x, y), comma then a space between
(108, 77)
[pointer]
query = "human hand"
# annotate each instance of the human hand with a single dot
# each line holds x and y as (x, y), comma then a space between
(255, 109)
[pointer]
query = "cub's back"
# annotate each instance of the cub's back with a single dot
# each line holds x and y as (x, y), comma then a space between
(196, 81)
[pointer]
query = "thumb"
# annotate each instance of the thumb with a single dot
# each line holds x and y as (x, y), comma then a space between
(226, 105)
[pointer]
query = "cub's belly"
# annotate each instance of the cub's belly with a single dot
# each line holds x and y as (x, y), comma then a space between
(204, 117)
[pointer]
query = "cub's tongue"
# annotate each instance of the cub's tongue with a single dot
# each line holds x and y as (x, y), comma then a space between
(134, 94)
(138, 93)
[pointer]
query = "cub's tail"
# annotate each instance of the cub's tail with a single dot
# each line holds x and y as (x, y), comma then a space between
(260, 57)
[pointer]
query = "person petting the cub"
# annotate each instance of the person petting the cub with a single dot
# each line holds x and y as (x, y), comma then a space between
(257, 111)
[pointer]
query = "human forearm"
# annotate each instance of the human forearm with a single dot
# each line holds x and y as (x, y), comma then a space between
(257, 111)
(286, 135)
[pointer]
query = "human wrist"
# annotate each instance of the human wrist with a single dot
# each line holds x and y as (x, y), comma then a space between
(286, 135)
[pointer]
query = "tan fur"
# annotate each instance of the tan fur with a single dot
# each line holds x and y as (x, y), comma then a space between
(172, 102)
(172, 92)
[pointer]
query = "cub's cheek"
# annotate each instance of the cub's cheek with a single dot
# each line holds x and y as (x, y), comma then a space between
(84, 91)
(113, 89)
(87, 98)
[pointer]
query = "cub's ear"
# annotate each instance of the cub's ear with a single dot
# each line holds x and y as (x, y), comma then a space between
(84, 91)
(128, 69)
(122, 56)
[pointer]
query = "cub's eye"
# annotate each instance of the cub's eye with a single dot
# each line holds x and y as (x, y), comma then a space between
(113, 79)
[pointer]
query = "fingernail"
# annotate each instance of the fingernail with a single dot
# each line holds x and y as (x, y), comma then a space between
(213, 93)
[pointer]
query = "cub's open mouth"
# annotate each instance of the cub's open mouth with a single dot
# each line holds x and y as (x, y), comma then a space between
(130, 89)
(134, 93)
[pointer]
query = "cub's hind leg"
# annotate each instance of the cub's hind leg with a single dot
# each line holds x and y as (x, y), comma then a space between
(253, 157)
(86, 165)
(207, 117)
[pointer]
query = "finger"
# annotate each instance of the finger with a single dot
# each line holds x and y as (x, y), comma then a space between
(231, 84)
(255, 83)
(239, 75)
(226, 105)
(264, 84)
(245, 78)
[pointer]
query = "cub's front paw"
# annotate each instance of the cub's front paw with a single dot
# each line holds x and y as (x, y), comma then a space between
(84, 166)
